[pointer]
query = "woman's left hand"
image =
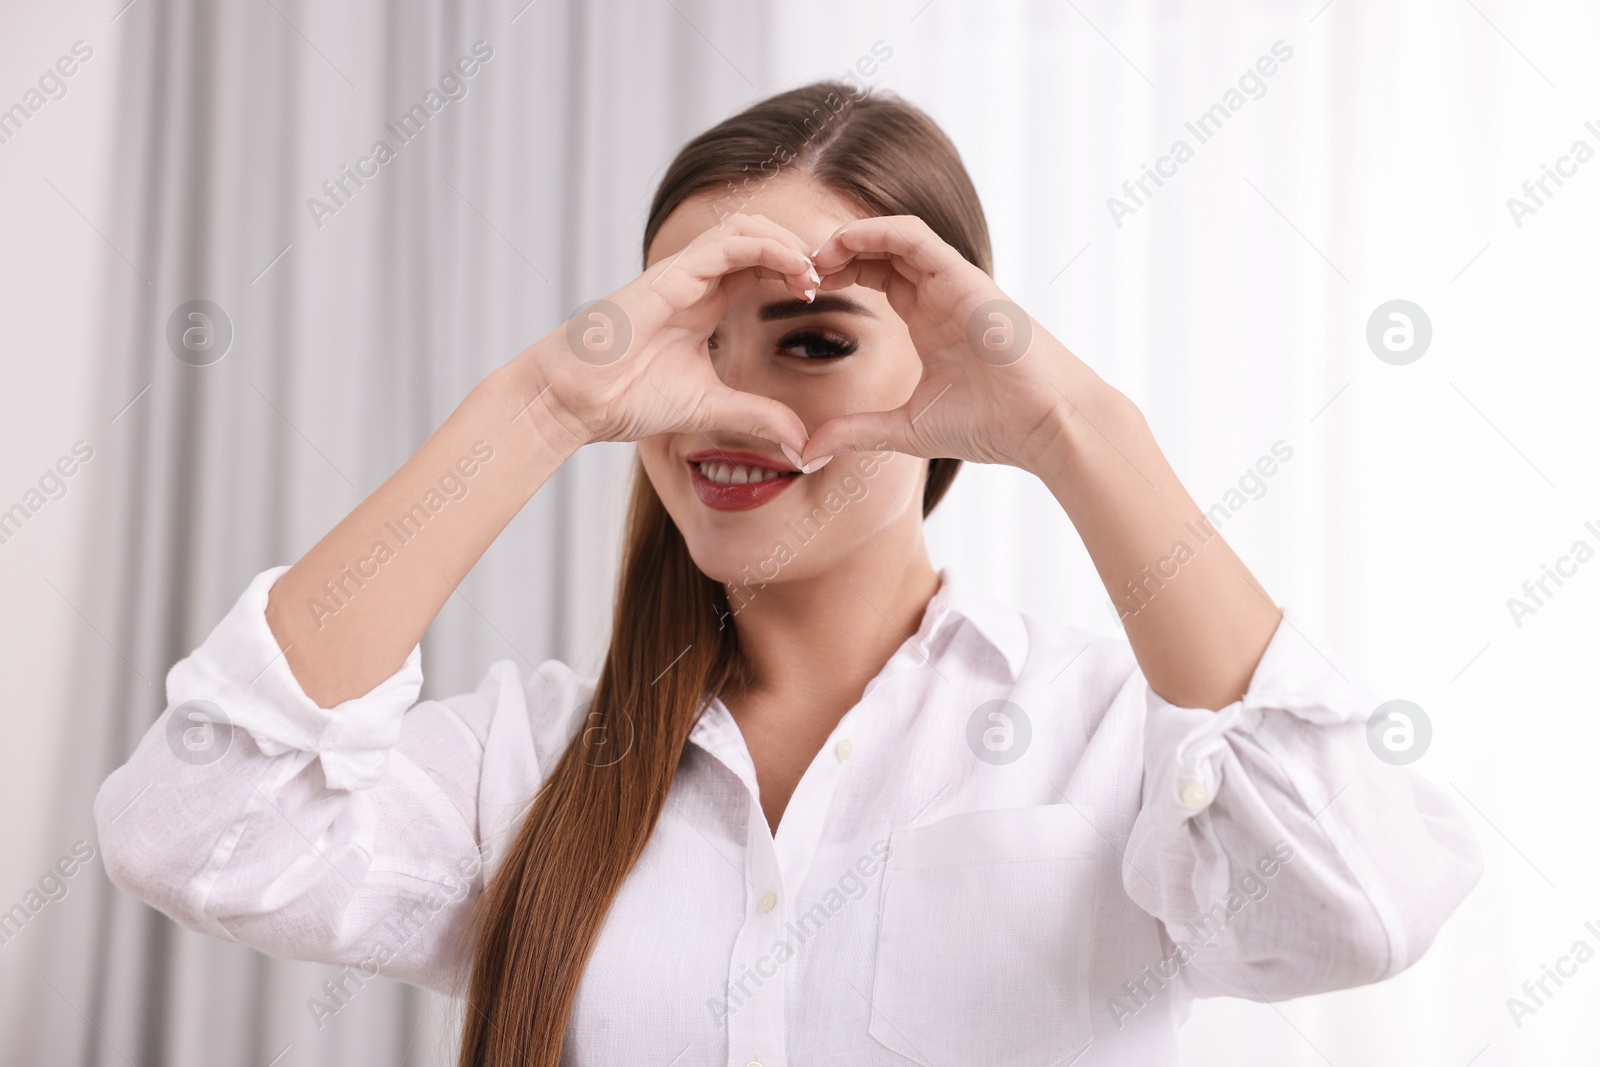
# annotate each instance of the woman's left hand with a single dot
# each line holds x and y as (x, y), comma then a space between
(997, 388)
(995, 385)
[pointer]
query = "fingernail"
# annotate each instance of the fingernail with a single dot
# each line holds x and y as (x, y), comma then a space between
(815, 250)
(816, 279)
(815, 465)
(791, 455)
(811, 295)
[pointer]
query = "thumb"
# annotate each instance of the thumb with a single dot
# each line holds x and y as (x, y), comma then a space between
(864, 431)
(728, 409)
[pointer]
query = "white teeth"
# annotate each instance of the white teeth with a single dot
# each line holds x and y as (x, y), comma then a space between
(734, 474)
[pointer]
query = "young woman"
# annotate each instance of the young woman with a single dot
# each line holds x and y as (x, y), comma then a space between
(824, 804)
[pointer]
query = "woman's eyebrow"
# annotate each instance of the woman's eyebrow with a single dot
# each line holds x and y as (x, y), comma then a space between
(791, 309)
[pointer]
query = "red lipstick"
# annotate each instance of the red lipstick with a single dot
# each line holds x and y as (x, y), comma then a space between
(738, 496)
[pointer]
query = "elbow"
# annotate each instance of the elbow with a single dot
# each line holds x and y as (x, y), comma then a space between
(1429, 891)
(127, 864)
(1385, 923)
(131, 847)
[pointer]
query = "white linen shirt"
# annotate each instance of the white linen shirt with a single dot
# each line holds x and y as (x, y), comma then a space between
(955, 881)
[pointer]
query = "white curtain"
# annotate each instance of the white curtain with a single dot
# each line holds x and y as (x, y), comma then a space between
(1231, 301)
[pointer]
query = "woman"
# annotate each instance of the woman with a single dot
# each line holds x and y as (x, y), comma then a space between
(823, 804)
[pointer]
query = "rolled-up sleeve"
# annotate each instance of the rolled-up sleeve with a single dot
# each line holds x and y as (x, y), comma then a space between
(1282, 856)
(355, 834)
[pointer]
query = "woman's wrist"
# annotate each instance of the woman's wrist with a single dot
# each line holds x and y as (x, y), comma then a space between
(542, 407)
(1086, 416)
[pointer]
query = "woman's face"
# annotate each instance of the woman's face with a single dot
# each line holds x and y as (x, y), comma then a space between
(845, 353)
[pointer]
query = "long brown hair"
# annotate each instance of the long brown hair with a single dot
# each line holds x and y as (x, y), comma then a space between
(537, 921)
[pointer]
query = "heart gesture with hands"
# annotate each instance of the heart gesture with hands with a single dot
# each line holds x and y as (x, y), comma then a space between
(992, 379)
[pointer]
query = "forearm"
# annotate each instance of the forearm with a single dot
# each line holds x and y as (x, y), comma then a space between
(1196, 617)
(348, 613)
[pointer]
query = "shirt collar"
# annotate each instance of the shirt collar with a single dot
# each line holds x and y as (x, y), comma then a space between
(956, 601)
(999, 625)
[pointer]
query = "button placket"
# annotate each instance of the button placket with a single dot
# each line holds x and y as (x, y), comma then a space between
(756, 977)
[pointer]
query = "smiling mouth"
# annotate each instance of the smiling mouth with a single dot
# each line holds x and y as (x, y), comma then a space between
(737, 481)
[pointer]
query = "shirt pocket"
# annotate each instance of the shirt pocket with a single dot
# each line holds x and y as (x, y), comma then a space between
(985, 929)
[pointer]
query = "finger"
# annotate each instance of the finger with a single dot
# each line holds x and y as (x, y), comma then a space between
(735, 252)
(864, 431)
(879, 275)
(767, 274)
(722, 408)
(741, 281)
(689, 276)
(883, 271)
(874, 274)
(762, 226)
(904, 236)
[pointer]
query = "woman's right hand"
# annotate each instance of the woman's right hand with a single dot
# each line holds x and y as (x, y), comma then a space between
(631, 366)
(636, 364)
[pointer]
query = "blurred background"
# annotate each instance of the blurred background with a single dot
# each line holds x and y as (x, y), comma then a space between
(155, 153)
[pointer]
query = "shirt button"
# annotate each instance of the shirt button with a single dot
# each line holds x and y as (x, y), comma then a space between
(1193, 795)
(843, 749)
(769, 900)
(754, 1063)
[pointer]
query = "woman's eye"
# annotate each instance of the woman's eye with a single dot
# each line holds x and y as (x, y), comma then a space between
(817, 344)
